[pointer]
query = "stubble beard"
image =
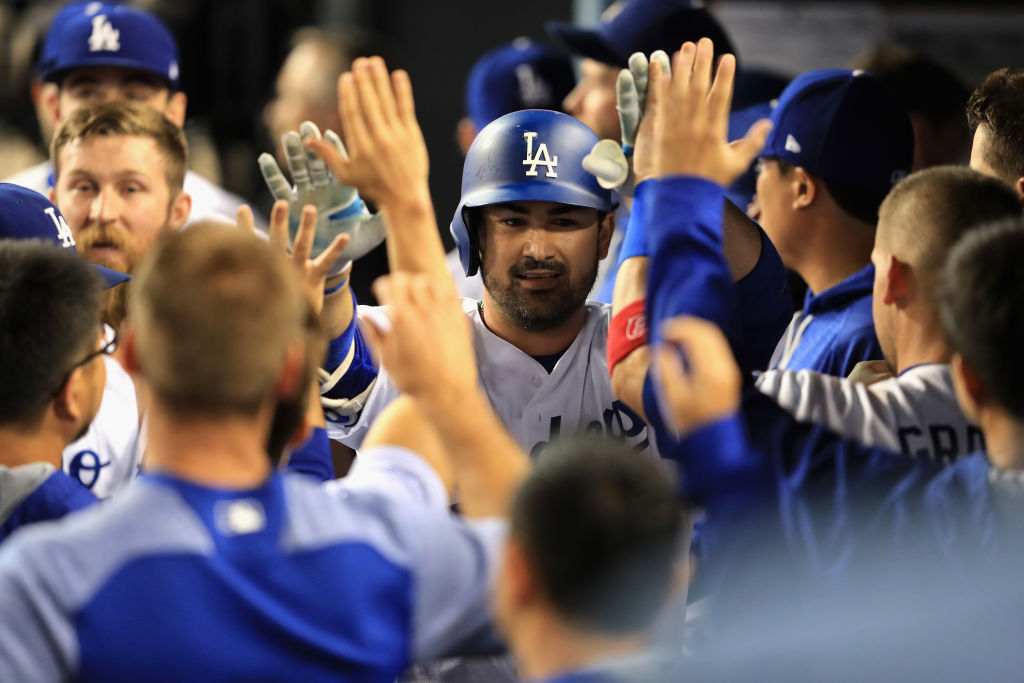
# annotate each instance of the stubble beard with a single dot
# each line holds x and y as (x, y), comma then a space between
(539, 311)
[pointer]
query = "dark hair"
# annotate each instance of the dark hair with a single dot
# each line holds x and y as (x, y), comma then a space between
(857, 202)
(601, 526)
(980, 301)
(999, 104)
(920, 83)
(49, 320)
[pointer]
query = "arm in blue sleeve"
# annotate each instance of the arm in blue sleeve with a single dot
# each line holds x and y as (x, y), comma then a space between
(687, 273)
(635, 241)
(313, 457)
(765, 309)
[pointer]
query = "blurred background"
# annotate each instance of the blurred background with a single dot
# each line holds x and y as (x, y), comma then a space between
(232, 51)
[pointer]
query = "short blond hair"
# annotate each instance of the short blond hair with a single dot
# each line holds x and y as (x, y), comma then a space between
(216, 312)
(114, 119)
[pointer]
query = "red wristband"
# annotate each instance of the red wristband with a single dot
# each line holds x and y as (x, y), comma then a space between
(627, 331)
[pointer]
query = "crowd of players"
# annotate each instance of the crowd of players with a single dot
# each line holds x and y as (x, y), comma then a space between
(704, 477)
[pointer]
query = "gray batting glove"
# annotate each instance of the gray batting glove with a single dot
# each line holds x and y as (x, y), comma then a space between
(339, 207)
(610, 164)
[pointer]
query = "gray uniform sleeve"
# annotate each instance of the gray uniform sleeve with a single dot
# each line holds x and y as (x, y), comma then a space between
(37, 640)
(453, 561)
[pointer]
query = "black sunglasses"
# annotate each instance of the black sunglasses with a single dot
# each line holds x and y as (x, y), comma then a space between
(107, 348)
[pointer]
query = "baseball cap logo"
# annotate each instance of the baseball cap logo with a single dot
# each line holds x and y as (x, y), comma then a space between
(104, 37)
(792, 145)
(542, 158)
(63, 231)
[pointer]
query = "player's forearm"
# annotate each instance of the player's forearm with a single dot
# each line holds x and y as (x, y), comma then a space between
(489, 465)
(414, 243)
(339, 306)
(627, 373)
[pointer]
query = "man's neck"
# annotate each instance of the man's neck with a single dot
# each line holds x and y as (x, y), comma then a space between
(532, 342)
(547, 647)
(228, 452)
(1004, 438)
(919, 339)
(21, 448)
(835, 249)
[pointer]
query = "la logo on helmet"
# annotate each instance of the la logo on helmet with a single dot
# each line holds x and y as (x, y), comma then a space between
(542, 158)
(63, 231)
(104, 36)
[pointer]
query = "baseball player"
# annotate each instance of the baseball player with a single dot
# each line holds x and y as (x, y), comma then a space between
(119, 170)
(96, 52)
(54, 366)
(236, 559)
(533, 222)
(994, 113)
(519, 75)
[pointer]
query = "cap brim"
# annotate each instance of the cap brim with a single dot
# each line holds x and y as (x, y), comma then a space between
(105, 59)
(584, 43)
(111, 278)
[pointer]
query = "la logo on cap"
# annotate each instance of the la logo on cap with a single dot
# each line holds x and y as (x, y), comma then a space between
(542, 158)
(104, 38)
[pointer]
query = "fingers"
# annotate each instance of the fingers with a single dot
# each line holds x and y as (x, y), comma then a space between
(372, 109)
(638, 70)
(317, 168)
(352, 115)
(746, 149)
(295, 156)
(674, 383)
(700, 82)
(279, 226)
(404, 99)
(385, 93)
(274, 178)
(331, 137)
(628, 105)
(701, 341)
(720, 96)
(682, 70)
(304, 235)
(244, 219)
(323, 263)
(661, 57)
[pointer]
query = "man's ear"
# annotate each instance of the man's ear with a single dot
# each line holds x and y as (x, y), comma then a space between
(804, 188)
(49, 99)
(128, 349)
(181, 209)
(465, 133)
(897, 281)
(604, 235)
(520, 585)
(175, 109)
(1019, 186)
(290, 379)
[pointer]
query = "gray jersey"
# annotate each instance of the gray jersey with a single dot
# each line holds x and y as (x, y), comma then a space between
(534, 406)
(915, 413)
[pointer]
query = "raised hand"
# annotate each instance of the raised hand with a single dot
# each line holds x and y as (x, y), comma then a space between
(339, 207)
(691, 131)
(705, 389)
(387, 157)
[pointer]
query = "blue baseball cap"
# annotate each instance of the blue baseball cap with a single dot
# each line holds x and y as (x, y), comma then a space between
(109, 35)
(641, 26)
(27, 215)
(520, 75)
(844, 127)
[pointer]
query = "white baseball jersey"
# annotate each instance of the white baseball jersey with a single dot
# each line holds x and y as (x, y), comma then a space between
(534, 406)
(208, 200)
(914, 413)
(107, 458)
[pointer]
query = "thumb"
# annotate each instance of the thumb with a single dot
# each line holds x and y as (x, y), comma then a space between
(750, 145)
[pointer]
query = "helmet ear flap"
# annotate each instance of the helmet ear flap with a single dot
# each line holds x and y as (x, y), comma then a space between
(470, 220)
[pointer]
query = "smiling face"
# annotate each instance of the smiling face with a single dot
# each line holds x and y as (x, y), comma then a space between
(539, 259)
(114, 193)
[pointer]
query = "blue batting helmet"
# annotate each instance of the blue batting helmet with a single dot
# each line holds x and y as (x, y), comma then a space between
(526, 155)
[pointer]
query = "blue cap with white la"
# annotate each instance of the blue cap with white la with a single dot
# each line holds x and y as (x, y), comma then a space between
(27, 215)
(102, 34)
(844, 127)
(520, 75)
